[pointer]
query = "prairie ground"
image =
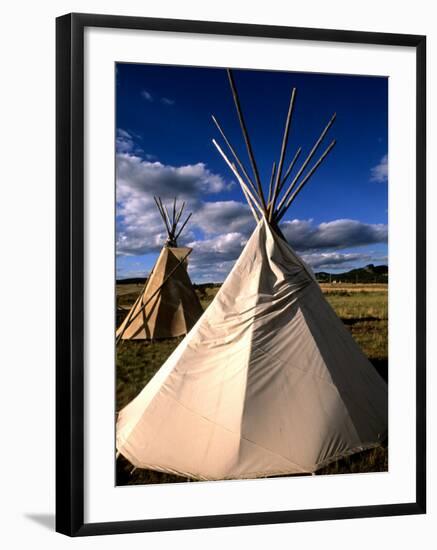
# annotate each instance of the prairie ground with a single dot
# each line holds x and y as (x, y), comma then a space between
(363, 309)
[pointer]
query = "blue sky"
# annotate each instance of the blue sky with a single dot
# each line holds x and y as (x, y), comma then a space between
(164, 132)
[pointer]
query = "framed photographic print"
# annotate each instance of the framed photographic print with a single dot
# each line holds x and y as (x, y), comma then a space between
(240, 274)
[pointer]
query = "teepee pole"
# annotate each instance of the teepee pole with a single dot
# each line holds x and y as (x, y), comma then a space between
(127, 321)
(272, 177)
(307, 160)
(282, 155)
(161, 211)
(240, 164)
(247, 192)
(179, 214)
(173, 227)
(183, 225)
(247, 140)
(304, 181)
(289, 169)
(249, 202)
(248, 199)
(158, 207)
(167, 217)
(160, 286)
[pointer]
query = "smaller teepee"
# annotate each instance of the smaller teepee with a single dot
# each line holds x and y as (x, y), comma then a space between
(168, 305)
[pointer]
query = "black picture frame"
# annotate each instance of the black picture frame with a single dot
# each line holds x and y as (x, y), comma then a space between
(70, 273)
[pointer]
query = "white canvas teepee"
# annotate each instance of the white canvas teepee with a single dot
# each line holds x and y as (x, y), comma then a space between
(168, 305)
(268, 382)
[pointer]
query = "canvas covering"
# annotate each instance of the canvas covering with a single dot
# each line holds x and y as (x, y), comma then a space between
(172, 305)
(268, 382)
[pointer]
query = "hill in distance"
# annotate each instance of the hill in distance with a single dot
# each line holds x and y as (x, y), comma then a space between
(368, 274)
(362, 275)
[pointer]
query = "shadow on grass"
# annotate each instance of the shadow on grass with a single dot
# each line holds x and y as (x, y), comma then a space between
(355, 320)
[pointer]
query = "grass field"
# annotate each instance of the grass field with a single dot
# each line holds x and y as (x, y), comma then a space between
(363, 309)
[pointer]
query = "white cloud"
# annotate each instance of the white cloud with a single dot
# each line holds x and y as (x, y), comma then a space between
(221, 216)
(379, 173)
(212, 259)
(334, 260)
(125, 142)
(147, 95)
(167, 101)
(137, 175)
(139, 226)
(304, 235)
(218, 230)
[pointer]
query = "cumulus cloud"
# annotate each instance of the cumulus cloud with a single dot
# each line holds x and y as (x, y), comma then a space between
(212, 259)
(137, 175)
(221, 248)
(218, 230)
(230, 216)
(304, 235)
(334, 260)
(379, 173)
(139, 226)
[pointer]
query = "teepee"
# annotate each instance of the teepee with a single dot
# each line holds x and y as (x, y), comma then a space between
(168, 305)
(269, 382)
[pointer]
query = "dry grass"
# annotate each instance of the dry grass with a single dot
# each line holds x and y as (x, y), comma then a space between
(363, 309)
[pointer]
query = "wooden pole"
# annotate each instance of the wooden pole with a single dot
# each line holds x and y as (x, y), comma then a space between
(246, 139)
(140, 298)
(289, 169)
(249, 202)
(164, 208)
(270, 184)
(246, 190)
(304, 181)
(307, 160)
(178, 217)
(161, 211)
(158, 207)
(240, 164)
(173, 227)
(283, 150)
(183, 225)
